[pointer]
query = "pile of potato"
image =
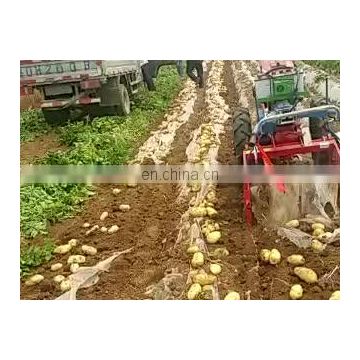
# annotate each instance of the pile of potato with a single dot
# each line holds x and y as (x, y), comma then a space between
(305, 274)
(206, 140)
(203, 281)
(73, 263)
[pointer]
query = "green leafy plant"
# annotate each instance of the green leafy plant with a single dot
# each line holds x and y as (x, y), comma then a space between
(32, 124)
(35, 255)
(330, 66)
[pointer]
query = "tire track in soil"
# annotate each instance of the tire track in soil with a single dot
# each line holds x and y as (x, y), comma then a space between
(150, 227)
(240, 267)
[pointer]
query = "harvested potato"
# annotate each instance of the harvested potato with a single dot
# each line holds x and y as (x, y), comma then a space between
(104, 215)
(76, 259)
(192, 249)
(116, 191)
(306, 274)
(198, 259)
(194, 291)
(215, 269)
(59, 278)
(265, 255)
(124, 207)
(217, 226)
(62, 249)
(211, 212)
(318, 232)
(208, 288)
(86, 225)
(325, 236)
(274, 257)
(73, 242)
(335, 295)
(65, 285)
(94, 228)
(293, 223)
(296, 292)
(232, 295)
(296, 259)
(56, 267)
(318, 226)
(204, 279)
(35, 279)
(113, 229)
(220, 253)
(198, 211)
(89, 250)
(103, 229)
(74, 267)
(131, 185)
(213, 237)
(317, 246)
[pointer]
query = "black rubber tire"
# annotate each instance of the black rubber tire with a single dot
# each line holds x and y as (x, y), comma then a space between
(316, 131)
(56, 117)
(124, 99)
(241, 131)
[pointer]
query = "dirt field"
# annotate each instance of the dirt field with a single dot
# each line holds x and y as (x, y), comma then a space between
(151, 227)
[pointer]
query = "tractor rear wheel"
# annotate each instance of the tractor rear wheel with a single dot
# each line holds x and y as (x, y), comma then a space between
(242, 132)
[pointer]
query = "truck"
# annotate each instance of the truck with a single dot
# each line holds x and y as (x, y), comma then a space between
(70, 88)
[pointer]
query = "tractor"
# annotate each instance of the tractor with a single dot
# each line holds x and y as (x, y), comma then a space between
(283, 131)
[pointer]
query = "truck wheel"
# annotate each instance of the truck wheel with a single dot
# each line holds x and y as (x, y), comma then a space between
(56, 117)
(242, 132)
(124, 107)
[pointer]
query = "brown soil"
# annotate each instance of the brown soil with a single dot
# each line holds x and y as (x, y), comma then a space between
(42, 145)
(149, 227)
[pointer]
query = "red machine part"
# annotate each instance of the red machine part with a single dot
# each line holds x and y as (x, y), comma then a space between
(281, 149)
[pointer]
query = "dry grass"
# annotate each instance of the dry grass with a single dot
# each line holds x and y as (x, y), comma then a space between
(32, 101)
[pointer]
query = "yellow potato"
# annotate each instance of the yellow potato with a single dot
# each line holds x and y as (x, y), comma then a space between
(192, 249)
(293, 223)
(208, 288)
(74, 267)
(296, 292)
(62, 249)
(220, 253)
(116, 191)
(104, 215)
(204, 279)
(124, 207)
(59, 278)
(296, 259)
(113, 229)
(213, 237)
(198, 211)
(232, 295)
(56, 266)
(317, 246)
(318, 232)
(79, 259)
(35, 279)
(318, 226)
(265, 255)
(335, 295)
(73, 242)
(198, 259)
(275, 257)
(194, 291)
(306, 274)
(89, 250)
(65, 285)
(215, 269)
